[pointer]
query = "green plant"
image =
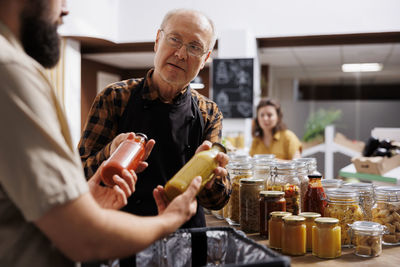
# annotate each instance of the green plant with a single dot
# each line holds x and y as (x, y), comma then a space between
(317, 121)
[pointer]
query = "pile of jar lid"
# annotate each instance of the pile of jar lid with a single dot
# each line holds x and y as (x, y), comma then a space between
(289, 203)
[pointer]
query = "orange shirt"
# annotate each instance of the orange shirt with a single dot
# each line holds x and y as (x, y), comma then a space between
(284, 145)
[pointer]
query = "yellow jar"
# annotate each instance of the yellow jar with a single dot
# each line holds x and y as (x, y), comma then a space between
(310, 217)
(343, 205)
(326, 238)
(201, 164)
(275, 228)
(294, 235)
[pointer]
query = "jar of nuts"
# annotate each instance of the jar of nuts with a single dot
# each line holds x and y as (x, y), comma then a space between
(367, 238)
(386, 211)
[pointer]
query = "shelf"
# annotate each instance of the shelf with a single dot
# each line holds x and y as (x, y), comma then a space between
(392, 176)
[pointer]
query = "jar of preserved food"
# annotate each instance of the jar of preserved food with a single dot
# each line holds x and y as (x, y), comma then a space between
(270, 201)
(365, 196)
(201, 164)
(386, 211)
(284, 178)
(302, 174)
(343, 205)
(294, 235)
(127, 156)
(249, 204)
(310, 218)
(367, 238)
(238, 170)
(315, 198)
(275, 225)
(326, 238)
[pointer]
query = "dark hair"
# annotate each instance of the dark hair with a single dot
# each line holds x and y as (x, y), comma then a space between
(280, 126)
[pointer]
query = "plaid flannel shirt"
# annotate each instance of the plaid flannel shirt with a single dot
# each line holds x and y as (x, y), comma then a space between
(102, 124)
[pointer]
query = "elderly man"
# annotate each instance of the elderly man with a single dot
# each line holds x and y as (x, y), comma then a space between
(49, 214)
(164, 107)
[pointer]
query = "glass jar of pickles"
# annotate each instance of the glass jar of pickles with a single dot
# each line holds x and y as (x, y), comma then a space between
(249, 204)
(386, 211)
(365, 197)
(284, 178)
(270, 201)
(294, 235)
(310, 218)
(275, 225)
(237, 170)
(343, 205)
(367, 238)
(326, 238)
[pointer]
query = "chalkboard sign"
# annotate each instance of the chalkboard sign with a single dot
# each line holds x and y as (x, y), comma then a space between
(232, 81)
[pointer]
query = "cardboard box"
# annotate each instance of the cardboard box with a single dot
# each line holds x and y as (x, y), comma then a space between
(375, 165)
(352, 144)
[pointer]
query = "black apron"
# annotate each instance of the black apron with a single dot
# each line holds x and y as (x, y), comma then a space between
(177, 129)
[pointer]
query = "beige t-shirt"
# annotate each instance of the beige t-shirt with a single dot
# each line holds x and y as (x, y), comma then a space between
(39, 167)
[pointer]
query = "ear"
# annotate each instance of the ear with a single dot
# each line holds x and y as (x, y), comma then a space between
(205, 60)
(156, 44)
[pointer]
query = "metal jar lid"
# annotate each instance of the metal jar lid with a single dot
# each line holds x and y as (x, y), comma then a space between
(272, 193)
(310, 214)
(326, 220)
(294, 218)
(280, 214)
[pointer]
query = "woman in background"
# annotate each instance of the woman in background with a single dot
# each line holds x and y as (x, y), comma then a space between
(270, 135)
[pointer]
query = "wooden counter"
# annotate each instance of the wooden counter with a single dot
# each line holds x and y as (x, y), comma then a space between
(390, 254)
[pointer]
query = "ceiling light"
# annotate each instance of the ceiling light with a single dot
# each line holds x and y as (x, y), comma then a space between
(362, 67)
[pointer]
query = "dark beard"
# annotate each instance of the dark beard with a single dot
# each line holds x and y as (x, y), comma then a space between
(40, 40)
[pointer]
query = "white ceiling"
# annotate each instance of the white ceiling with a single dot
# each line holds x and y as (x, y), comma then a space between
(318, 64)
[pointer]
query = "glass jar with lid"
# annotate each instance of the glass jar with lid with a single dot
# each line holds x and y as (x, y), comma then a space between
(249, 204)
(386, 211)
(270, 201)
(275, 225)
(302, 174)
(284, 178)
(343, 205)
(310, 218)
(366, 197)
(237, 170)
(294, 235)
(315, 198)
(367, 238)
(331, 183)
(326, 238)
(262, 167)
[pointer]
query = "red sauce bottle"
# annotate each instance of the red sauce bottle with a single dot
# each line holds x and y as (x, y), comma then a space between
(315, 198)
(127, 156)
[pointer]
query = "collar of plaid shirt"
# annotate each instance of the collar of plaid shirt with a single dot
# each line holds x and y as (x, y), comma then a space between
(152, 93)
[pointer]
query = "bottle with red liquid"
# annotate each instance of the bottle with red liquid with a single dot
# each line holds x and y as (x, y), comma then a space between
(127, 156)
(315, 198)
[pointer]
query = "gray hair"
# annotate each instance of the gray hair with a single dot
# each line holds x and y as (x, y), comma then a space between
(174, 12)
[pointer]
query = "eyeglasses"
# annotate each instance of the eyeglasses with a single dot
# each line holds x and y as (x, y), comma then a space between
(192, 49)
